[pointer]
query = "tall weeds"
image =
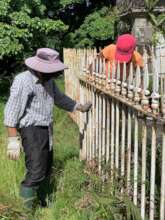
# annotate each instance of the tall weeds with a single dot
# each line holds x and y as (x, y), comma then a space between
(78, 193)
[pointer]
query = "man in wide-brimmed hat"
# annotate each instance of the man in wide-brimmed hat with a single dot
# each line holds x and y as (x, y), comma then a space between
(29, 112)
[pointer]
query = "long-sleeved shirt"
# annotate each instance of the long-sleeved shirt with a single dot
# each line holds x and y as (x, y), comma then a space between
(31, 103)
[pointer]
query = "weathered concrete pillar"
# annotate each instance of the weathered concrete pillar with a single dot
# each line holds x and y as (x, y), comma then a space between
(142, 29)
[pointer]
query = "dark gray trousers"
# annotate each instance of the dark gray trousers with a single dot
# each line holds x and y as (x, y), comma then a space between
(38, 158)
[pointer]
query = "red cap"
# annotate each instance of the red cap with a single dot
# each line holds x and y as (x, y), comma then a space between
(125, 47)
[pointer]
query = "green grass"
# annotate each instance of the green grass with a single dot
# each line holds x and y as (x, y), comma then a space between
(78, 194)
(11, 172)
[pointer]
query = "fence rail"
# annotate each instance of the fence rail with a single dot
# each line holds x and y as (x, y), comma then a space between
(125, 130)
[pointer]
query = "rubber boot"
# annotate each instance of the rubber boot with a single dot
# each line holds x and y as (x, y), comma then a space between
(43, 192)
(28, 195)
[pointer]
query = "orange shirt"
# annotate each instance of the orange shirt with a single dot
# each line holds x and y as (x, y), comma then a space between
(109, 53)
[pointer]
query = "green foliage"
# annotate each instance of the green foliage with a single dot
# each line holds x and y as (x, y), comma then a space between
(10, 39)
(151, 4)
(26, 25)
(47, 26)
(69, 2)
(81, 195)
(19, 23)
(157, 20)
(99, 25)
(4, 7)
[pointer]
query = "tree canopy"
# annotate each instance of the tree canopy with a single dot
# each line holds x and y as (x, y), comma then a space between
(26, 25)
(97, 27)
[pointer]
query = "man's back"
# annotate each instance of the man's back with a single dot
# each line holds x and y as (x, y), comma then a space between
(109, 53)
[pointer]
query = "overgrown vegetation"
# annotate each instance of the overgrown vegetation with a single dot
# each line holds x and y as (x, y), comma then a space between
(82, 195)
(78, 194)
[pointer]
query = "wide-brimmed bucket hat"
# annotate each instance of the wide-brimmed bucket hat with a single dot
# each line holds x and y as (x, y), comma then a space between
(125, 47)
(46, 60)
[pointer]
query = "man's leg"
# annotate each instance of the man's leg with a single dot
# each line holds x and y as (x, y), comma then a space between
(35, 141)
(44, 190)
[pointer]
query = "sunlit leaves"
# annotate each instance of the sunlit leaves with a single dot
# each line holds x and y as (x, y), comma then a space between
(46, 25)
(19, 23)
(4, 7)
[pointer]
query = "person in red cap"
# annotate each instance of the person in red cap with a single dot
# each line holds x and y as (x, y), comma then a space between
(123, 51)
(29, 112)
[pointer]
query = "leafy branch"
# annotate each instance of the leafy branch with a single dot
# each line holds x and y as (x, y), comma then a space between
(157, 20)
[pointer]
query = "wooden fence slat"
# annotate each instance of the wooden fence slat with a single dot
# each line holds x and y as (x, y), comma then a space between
(90, 125)
(143, 165)
(86, 125)
(112, 137)
(82, 157)
(117, 137)
(108, 132)
(162, 193)
(88, 128)
(103, 130)
(93, 125)
(100, 133)
(97, 125)
(123, 142)
(153, 167)
(135, 179)
(129, 132)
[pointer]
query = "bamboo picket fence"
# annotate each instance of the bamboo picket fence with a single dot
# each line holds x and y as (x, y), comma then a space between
(124, 132)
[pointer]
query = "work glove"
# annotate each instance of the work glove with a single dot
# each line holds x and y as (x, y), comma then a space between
(13, 148)
(84, 108)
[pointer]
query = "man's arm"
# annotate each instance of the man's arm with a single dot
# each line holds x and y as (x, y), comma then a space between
(15, 104)
(62, 100)
(12, 132)
(68, 104)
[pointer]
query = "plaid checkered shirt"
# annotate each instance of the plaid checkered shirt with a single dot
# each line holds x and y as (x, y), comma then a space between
(31, 103)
